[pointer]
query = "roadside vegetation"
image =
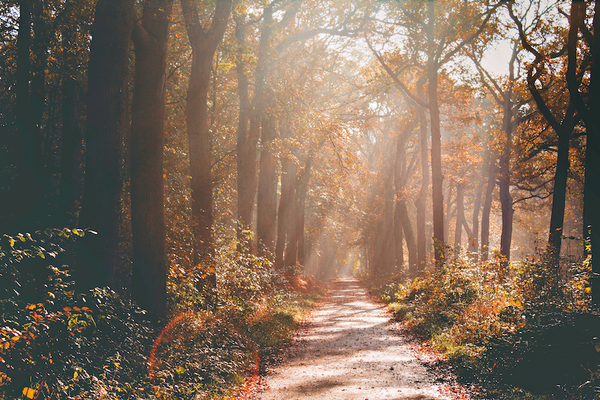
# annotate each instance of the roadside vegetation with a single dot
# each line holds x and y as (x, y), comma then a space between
(520, 331)
(60, 343)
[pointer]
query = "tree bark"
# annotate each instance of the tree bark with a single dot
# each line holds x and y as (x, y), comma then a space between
(39, 50)
(557, 215)
(71, 141)
(506, 200)
(245, 152)
(111, 32)
(592, 165)
(421, 201)
(266, 220)
(398, 236)
(591, 118)
(150, 37)
(460, 217)
(285, 214)
(402, 224)
(247, 158)
(388, 254)
(301, 194)
(204, 45)
(487, 207)
(436, 141)
(286, 202)
(449, 211)
(473, 247)
(409, 237)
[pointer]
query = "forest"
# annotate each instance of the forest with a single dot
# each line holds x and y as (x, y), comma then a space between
(178, 179)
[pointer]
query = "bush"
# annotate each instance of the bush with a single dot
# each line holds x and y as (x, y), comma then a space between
(527, 326)
(98, 345)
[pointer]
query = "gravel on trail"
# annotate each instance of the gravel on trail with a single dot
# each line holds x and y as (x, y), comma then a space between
(350, 350)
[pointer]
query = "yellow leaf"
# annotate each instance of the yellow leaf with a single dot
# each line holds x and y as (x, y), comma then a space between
(29, 392)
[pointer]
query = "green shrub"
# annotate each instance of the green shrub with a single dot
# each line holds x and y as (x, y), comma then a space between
(98, 345)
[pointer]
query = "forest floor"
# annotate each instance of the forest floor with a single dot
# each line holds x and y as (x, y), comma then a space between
(351, 349)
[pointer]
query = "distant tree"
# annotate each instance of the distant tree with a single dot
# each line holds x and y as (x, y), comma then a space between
(402, 223)
(251, 114)
(266, 204)
(439, 42)
(505, 97)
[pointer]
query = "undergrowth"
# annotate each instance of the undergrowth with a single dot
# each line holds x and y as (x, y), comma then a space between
(521, 331)
(56, 343)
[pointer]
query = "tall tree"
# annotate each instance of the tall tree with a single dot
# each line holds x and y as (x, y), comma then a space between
(285, 211)
(71, 133)
(249, 129)
(487, 205)
(587, 105)
(204, 44)
(421, 200)
(301, 195)
(109, 51)
(266, 204)
(505, 98)
(402, 223)
(562, 125)
(150, 37)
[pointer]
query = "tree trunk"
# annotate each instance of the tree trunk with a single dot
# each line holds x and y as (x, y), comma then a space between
(487, 207)
(436, 141)
(285, 210)
(23, 74)
(504, 179)
(388, 256)
(301, 194)
(285, 213)
(473, 247)
(410, 238)
(399, 171)
(204, 45)
(460, 217)
(591, 196)
(111, 32)
(39, 50)
(398, 236)
(266, 220)
(71, 134)
(449, 211)
(421, 201)
(20, 207)
(559, 194)
(246, 152)
(149, 277)
(247, 164)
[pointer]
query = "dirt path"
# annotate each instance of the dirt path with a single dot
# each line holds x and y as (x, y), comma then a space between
(350, 351)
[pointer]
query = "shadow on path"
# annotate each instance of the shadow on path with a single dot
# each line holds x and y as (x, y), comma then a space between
(349, 351)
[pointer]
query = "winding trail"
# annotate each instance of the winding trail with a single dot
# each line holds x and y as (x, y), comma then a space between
(350, 350)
